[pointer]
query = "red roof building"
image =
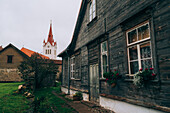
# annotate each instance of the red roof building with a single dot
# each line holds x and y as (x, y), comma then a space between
(30, 52)
(1, 48)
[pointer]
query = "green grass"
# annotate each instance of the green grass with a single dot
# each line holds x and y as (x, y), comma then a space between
(44, 102)
(10, 103)
(50, 100)
(8, 88)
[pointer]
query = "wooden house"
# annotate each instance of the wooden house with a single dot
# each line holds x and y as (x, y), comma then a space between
(125, 35)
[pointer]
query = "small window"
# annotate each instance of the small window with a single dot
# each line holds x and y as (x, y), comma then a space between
(104, 57)
(46, 51)
(72, 70)
(9, 58)
(54, 52)
(92, 10)
(139, 48)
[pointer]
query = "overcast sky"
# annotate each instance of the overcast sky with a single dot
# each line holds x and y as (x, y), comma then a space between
(25, 23)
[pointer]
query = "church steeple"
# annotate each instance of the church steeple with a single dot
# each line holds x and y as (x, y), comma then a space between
(50, 35)
(50, 47)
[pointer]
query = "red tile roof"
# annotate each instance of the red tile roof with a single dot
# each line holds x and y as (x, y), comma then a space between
(30, 52)
(1, 48)
(59, 62)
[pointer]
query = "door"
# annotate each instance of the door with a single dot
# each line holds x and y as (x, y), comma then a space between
(94, 83)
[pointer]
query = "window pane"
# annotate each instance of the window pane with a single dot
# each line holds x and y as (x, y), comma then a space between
(74, 67)
(134, 67)
(9, 59)
(104, 59)
(146, 63)
(90, 12)
(104, 69)
(145, 50)
(94, 7)
(94, 2)
(143, 32)
(132, 36)
(133, 53)
(104, 46)
(94, 14)
(73, 60)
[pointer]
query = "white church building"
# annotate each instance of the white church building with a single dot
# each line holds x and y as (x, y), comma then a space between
(50, 47)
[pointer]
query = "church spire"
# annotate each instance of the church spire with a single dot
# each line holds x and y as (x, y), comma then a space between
(50, 35)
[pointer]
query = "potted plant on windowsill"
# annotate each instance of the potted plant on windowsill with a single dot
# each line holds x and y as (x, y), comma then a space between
(77, 96)
(112, 77)
(143, 77)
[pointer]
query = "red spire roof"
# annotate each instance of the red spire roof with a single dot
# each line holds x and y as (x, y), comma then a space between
(50, 37)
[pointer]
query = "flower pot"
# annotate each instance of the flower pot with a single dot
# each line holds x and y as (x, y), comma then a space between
(113, 85)
(76, 98)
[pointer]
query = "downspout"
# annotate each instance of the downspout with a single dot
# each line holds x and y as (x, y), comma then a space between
(68, 73)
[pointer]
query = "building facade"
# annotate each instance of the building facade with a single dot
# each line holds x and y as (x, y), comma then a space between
(50, 47)
(126, 36)
(10, 59)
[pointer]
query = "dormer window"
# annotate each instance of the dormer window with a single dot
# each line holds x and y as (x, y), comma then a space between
(92, 10)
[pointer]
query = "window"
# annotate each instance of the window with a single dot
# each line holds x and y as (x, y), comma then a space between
(46, 51)
(92, 10)
(9, 58)
(72, 70)
(104, 58)
(50, 51)
(139, 48)
(54, 52)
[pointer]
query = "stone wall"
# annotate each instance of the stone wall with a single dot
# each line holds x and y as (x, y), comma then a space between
(10, 75)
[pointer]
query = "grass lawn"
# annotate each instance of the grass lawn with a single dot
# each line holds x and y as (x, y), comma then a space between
(44, 102)
(48, 102)
(10, 103)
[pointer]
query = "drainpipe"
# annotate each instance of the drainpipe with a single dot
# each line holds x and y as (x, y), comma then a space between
(68, 73)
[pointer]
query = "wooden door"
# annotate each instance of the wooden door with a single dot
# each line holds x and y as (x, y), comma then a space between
(94, 83)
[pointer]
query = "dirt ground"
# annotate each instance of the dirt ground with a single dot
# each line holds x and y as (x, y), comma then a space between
(84, 106)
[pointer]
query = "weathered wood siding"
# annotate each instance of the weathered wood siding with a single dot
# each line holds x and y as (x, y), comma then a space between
(115, 17)
(65, 71)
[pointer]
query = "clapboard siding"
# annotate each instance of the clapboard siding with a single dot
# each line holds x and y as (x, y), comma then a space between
(114, 18)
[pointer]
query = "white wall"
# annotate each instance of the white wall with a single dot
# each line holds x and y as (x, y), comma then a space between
(51, 56)
(123, 107)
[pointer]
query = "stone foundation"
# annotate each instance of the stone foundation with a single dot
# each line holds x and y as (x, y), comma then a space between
(10, 75)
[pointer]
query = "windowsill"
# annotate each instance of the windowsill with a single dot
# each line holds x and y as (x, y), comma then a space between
(129, 78)
(92, 21)
(102, 79)
(75, 79)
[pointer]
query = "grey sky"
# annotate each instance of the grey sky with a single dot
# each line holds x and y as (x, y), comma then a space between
(26, 22)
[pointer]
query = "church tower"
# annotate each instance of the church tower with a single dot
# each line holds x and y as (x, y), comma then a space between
(50, 47)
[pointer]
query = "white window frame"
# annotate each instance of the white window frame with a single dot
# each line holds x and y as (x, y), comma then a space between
(72, 65)
(137, 44)
(92, 10)
(104, 53)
